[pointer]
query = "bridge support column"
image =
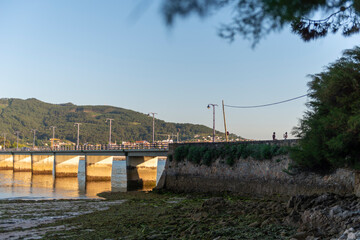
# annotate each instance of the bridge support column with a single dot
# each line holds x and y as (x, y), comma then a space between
(141, 172)
(42, 164)
(98, 168)
(66, 165)
(22, 163)
(54, 166)
(82, 169)
(6, 162)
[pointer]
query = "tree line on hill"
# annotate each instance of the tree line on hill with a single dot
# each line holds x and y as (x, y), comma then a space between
(24, 115)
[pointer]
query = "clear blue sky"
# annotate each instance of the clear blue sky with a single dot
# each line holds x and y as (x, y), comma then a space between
(106, 53)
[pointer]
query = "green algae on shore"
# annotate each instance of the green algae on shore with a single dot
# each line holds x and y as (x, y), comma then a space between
(177, 216)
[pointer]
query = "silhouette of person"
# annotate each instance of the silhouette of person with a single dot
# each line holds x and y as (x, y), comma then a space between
(285, 135)
(274, 136)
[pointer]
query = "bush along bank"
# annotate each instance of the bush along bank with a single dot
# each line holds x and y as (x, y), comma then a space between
(207, 154)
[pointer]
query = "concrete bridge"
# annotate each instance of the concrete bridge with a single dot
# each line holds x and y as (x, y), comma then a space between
(87, 165)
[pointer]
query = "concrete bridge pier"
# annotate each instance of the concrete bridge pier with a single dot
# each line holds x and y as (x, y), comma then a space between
(66, 165)
(22, 163)
(81, 174)
(98, 168)
(42, 164)
(141, 172)
(6, 162)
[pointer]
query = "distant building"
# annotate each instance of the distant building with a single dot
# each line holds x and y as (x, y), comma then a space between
(56, 142)
(142, 143)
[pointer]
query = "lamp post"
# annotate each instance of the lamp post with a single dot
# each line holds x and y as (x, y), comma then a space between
(78, 134)
(153, 131)
(34, 131)
(213, 106)
(53, 139)
(17, 139)
(109, 119)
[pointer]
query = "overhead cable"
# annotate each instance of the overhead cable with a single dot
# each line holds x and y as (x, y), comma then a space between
(266, 105)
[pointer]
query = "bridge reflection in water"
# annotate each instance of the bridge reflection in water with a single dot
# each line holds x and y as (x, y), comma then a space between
(76, 174)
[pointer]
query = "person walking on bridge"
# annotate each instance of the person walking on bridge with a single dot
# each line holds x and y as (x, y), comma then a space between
(274, 136)
(285, 135)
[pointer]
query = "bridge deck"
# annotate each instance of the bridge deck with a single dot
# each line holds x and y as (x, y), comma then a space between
(123, 152)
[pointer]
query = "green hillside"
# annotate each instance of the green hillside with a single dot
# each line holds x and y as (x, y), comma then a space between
(24, 115)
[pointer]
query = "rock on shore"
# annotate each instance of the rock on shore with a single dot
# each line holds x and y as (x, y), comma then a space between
(326, 216)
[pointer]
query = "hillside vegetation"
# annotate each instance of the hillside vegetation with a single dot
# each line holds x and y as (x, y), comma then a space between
(24, 115)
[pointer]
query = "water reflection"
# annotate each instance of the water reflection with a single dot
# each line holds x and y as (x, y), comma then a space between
(25, 185)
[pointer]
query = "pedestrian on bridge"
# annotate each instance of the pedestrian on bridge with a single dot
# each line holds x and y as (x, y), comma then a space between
(285, 135)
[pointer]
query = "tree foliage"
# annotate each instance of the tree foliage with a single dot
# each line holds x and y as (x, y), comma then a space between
(253, 19)
(330, 129)
(23, 115)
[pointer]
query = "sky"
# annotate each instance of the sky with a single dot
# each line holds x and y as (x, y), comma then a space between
(119, 53)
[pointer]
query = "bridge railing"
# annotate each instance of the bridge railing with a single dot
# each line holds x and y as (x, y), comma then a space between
(163, 146)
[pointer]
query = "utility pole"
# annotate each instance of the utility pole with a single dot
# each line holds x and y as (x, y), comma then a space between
(153, 131)
(17, 139)
(53, 137)
(4, 140)
(78, 134)
(213, 106)
(223, 107)
(33, 130)
(109, 119)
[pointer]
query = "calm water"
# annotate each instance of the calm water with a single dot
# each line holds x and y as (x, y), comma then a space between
(24, 185)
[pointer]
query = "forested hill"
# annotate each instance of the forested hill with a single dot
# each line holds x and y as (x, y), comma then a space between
(24, 115)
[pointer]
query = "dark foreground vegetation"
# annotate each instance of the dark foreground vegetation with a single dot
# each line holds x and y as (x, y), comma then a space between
(167, 215)
(179, 216)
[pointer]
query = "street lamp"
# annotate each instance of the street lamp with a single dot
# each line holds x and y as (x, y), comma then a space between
(208, 106)
(33, 130)
(109, 119)
(78, 133)
(17, 139)
(153, 131)
(53, 138)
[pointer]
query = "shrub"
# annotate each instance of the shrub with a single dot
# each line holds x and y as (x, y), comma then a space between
(239, 150)
(266, 152)
(230, 160)
(281, 151)
(181, 153)
(230, 153)
(224, 150)
(246, 151)
(194, 154)
(208, 157)
(255, 151)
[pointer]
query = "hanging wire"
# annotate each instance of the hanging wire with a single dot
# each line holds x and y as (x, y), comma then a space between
(266, 105)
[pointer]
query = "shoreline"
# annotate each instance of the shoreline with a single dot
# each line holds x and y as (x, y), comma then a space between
(166, 215)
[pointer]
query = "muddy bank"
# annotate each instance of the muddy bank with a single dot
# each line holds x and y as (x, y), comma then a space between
(27, 219)
(166, 215)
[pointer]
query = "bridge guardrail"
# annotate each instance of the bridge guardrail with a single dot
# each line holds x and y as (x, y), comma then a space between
(162, 146)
